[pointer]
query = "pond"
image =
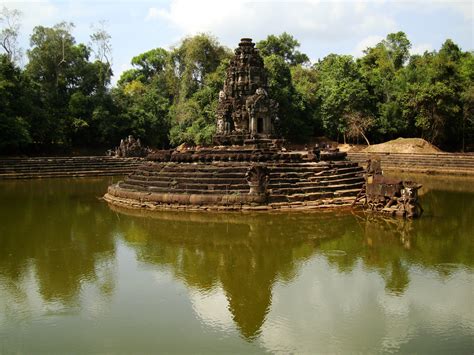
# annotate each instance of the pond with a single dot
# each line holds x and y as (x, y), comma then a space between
(77, 276)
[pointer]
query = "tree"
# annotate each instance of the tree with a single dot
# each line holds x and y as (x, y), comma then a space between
(142, 111)
(51, 67)
(342, 91)
(306, 83)
(192, 60)
(14, 127)
(10, 27)
(195, 74)
(467, 76)
(143, 99)
(71, 90)
(434, 95)
(291, 84)
(284, 46)
(197, 115)
(295, 124)
(398, 48)
(383, 72)
(151, 63)
(146, 66)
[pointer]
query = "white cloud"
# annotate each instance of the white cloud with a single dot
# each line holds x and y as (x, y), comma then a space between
(154, 13)
(369, 41)
(212, 307)
(338, 303)
(34, 12)
(376, 22)
(118, 70)
(305, 19)
(463, 7)
(421, 48)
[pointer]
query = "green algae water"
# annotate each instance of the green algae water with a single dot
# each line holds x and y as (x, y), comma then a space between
(77, 276)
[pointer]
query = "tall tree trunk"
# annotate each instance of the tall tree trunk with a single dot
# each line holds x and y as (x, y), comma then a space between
(363, 135)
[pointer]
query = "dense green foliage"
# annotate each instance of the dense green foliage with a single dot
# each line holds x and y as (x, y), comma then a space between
(62, 97)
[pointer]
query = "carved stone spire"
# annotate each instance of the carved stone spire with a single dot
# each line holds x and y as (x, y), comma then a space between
(244, 108)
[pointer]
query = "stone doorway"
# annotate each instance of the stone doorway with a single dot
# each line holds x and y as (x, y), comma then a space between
(260, 125)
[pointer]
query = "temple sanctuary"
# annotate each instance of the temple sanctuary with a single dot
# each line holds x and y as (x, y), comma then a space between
(245, 111)
(246, 168)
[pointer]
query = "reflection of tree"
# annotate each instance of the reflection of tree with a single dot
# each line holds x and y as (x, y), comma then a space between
(389, 246)
(50, 228)
(245, 254)
(445, 235)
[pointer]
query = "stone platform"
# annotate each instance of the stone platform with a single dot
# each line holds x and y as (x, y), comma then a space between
(219, 179)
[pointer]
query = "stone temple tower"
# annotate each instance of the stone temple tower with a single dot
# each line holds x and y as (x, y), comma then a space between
(245, 111)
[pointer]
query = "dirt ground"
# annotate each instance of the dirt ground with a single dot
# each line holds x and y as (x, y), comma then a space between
(399, 145)
(403, 145)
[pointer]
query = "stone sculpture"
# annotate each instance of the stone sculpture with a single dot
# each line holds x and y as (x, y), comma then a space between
(257, 177)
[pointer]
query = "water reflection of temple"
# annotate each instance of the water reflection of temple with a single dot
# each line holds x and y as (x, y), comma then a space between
(244, 255)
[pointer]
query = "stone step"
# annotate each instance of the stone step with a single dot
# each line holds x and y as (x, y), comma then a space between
(84, 157)
(451, 159)
(339, 172)
(217, 185)
(230, 178)
(115, 172)
(336, 179)
(44, 167)
(424, 162)
(450, 165)
(291, 175)
(206, 170)
(334, 176)
(188, 168)
(187, 174)
(178, 189)
(66, 167)
(67, 163)
(439, 163)
(181, 178)
(421, 155)
(234, 169)
(310, 189)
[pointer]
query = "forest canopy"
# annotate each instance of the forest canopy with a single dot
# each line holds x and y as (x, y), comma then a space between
(63, 97)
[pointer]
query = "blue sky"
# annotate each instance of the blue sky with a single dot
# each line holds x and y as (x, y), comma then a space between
(322, 27)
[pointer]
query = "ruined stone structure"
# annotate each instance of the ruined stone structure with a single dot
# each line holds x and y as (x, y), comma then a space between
(245, 111)
(246, 169)
(129, 147)
(388, 196)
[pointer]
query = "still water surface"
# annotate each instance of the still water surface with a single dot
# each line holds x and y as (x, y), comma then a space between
(77, 276)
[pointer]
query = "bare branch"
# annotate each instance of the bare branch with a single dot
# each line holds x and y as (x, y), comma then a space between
(10, 28)
(101, 43)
